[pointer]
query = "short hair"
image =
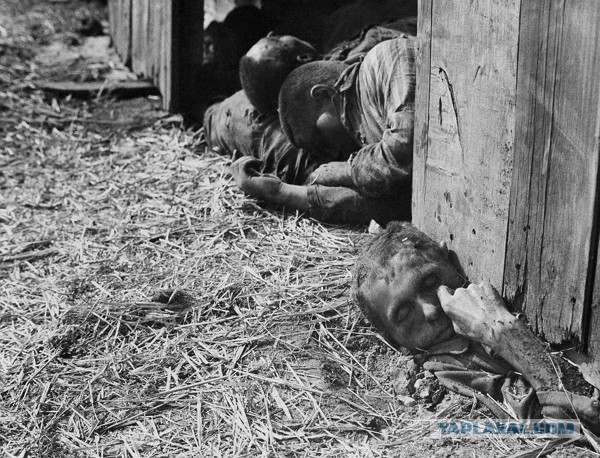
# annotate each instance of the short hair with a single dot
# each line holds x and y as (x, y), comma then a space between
(375, 257)
(262, 77)
(297, 106)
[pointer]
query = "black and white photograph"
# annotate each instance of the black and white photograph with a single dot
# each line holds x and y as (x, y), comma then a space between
(299, 228)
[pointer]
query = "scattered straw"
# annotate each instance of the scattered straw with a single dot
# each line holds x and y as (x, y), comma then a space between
(147, 308)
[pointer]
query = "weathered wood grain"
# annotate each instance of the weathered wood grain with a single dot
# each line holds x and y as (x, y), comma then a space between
(120, 28)
(465, 130)
(139, 41)
(593, 323)
(421, 136)
(592, 313)
(162, 39)
(554, 186)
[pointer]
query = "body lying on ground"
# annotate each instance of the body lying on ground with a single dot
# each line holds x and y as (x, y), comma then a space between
(235, 128)
(356, 120)
(409, 290)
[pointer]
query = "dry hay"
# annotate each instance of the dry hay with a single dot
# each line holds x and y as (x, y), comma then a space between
(149, 309)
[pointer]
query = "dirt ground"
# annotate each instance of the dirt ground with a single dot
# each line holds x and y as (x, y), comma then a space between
(149, 309)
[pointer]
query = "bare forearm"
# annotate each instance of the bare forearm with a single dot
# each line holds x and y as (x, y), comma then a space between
(518, 346)
(479, 313)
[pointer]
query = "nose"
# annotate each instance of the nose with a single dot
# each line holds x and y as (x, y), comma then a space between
(431, 310)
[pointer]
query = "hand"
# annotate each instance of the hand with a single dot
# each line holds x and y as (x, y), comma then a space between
(246, 176)
(333, 174)
(561, 404)
(477, 312)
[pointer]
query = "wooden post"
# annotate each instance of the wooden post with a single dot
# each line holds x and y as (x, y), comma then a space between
(162, 40)
(551, 252)
(466, 84)
(119, 13)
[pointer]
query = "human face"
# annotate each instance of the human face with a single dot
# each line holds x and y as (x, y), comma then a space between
(336, 137)
(405, 301)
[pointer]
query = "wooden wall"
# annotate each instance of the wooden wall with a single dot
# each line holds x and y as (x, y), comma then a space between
(507, 152)
(465, 128)
(119, 12)
(161, 40)
(550, 257)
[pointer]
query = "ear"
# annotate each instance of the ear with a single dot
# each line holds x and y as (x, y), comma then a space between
(321, 91)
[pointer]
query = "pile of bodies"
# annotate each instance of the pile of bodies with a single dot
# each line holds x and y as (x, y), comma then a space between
(332, 136)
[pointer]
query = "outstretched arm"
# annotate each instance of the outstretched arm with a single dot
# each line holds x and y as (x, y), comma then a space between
(479, 313)
(335, 204)
(267, 187)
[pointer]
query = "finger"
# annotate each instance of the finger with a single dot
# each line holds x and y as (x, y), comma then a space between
(239, 161)
(489, 289)
(236, 155)
(237, 166)
(444, 294)
(250, 162)
(234, 167)
(475, 289)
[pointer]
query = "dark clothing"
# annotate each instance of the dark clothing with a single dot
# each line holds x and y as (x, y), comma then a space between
(345, 205)
(377, 108)
(348, 21)
(465, 367)
(234, 124)
(376, 100)
(249, 24)
(372, 36)
(376, 103)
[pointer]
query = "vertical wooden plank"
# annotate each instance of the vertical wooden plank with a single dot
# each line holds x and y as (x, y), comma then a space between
(421, 138)
(593, 312)
(165, 68)
(156, 41)
(139, 28)
(126, 40)
(463, 157)
(114, 19)
(593, 323)
(553, 195)
(120, 28)
(153, 9)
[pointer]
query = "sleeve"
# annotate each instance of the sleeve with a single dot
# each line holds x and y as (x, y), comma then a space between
(345, 205)
(234, 124)
(215, 131)
(492, 390)
(386, 84)
(385, 168)
(290, 164)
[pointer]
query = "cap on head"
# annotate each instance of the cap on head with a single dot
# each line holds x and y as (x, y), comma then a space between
(266, 65)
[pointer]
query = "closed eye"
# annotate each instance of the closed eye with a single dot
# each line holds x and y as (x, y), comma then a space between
(401, 313)
(430, 282)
